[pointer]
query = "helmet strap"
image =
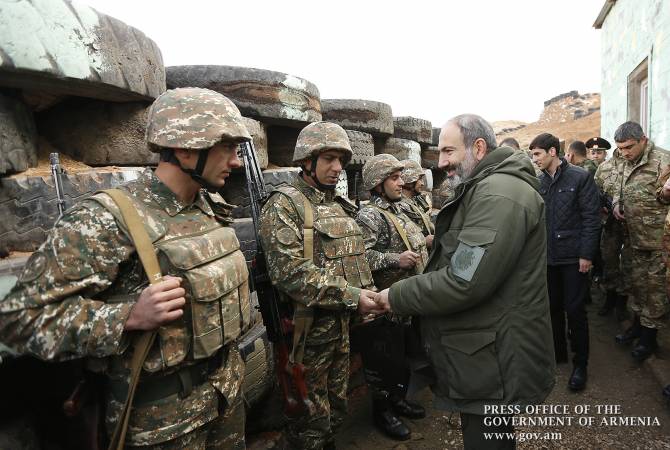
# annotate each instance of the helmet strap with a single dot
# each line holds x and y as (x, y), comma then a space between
(312, 174)
(196, 174)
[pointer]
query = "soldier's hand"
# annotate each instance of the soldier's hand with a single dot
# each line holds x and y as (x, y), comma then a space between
(367, 304)
(408, 259)
(616, 210)
(157, 305)
(382, 300)
(429, 241)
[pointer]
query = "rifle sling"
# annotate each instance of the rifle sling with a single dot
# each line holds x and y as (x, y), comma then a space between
(398, 226)
(142, 342)
(424, 218)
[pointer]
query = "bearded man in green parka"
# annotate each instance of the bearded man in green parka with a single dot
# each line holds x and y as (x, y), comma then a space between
(483, 296)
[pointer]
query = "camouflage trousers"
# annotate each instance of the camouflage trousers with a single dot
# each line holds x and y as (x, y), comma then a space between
(611, 244)
(326, 376)
(648, 297)
(226, 432)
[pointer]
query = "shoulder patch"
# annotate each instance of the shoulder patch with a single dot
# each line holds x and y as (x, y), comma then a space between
(286, 236)
(465, 261)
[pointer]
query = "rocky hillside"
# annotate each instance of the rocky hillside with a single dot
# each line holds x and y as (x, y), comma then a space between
(570, 116)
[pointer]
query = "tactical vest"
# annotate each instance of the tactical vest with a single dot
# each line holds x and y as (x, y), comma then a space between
(207, 256)
(338, 243)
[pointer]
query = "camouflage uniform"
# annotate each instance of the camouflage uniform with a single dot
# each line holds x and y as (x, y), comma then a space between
(77, 291)
(615, 235)
(645, 213)
(447, 190)
(588, 165)
(416, 207)
(329, 284)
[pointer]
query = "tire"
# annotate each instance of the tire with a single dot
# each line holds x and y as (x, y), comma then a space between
(259, 135)
(235, 190)
(18, 136)
(429, 157)
(367, 116)
(272, 97)
(362, 146)
(259, 371)
(400, 148)
(99, 133)
(70, 49)
(435, 137)
(28, 204)
(414, 129)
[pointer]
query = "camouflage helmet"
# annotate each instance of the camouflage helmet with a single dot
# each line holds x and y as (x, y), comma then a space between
(412, 171)
(193, 118)
(319, 137)
(378, 168)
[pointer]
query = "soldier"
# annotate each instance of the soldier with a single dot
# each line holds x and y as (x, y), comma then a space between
(576, 155)
(642, 202)
(414, 204)
(395, 249)
(84, 293)
(614, 235)
(331, 281)
(447, 189)
(597, 149)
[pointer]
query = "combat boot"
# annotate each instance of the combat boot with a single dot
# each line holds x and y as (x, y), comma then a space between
(646, 345)
(610, 303)
(387, 422)
(408, 409)
(632, 333)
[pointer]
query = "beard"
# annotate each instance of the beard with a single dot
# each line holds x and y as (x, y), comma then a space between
(465, 167)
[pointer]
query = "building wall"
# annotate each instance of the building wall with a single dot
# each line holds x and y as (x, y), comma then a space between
(632, 31)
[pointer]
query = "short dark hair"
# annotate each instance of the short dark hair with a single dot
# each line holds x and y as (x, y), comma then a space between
(510, 142)
(628, 130)
(545, 141)
(578, 148)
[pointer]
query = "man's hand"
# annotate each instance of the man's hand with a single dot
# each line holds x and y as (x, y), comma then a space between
(408, 259)
(618, 215)
(429, 241)
(157, 305)
(584, 265)
(367, 304)
(383, 301)
(666, 190)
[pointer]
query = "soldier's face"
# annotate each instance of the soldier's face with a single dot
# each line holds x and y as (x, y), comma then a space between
(329, 165)
(632, 148)
(392, 186)
(596, 155)
(420, 184)
(222, 159)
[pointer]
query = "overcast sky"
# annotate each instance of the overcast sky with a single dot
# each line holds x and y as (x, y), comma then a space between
(428, 59)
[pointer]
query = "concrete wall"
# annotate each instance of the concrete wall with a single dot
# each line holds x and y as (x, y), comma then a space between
(633, 31)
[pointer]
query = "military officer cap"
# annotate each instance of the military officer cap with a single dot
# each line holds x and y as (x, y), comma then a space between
(412, 171)
(193, 118)
(319, 137)
(378, 168)
(597, 143)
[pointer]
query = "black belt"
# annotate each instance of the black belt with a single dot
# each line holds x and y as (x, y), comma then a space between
(152, 389)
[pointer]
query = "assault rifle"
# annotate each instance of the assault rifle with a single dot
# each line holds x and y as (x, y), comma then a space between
(279, 329)
(56, 172)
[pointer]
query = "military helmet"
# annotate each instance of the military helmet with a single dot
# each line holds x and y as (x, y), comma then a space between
(193, 118)
(319, 137)
(412, 171)
(378, 168)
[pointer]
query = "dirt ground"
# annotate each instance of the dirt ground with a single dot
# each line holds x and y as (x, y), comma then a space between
(614, 379)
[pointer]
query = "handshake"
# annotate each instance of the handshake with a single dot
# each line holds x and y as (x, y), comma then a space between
(373, 303)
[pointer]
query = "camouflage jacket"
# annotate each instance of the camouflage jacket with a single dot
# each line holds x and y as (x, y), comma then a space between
(447, 190)
(607, 173)
(331, 281)
(76, 292)
(384, 244)
(418, 209)
(644, 207)
(588, 165)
